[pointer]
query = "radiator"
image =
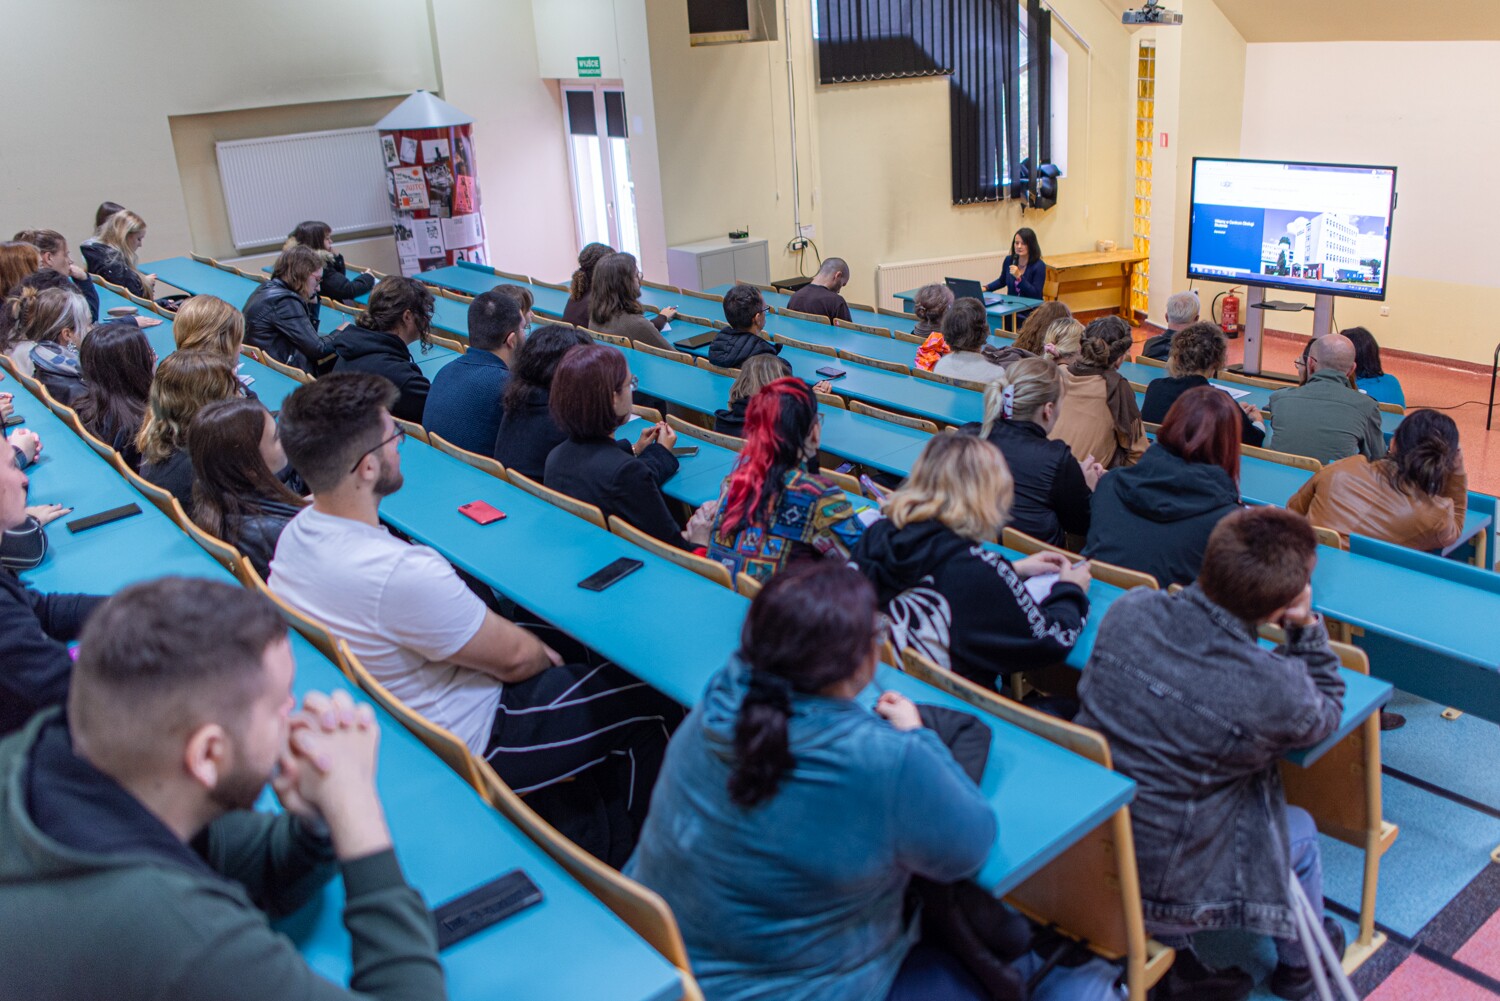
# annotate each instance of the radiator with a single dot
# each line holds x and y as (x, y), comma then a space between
(272, 184)
(908, 275)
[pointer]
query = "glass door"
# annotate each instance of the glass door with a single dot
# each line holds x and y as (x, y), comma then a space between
(599, 155)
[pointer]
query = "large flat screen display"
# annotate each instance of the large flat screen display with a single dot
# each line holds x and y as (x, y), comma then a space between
(1311, 227)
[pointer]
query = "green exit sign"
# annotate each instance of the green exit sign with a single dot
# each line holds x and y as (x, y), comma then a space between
(588, 66)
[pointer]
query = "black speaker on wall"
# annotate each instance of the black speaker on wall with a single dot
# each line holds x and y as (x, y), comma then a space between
(714, 21)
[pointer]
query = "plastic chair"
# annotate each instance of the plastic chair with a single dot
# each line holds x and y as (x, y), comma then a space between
(728, 441)
(587, 512)
(700, 565)
(483, 463)
(918, 423)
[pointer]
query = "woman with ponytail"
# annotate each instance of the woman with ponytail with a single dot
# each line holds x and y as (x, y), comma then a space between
(1053, 488)
(930, 304)
(788, 818)
(1101, 420)
(771, 510)
(576, 311)
(1416, 496)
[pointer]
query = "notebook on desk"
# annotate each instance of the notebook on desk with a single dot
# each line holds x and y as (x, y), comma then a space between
(968, 288)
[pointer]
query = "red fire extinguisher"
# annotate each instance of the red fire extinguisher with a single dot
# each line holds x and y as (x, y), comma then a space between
(1229, 315)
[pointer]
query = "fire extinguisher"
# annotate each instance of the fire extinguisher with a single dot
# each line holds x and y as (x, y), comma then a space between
(1229, 314)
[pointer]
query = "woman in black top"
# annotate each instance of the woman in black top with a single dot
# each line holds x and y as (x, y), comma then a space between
(318, 237)
(576, 311)
(235, 449)
(186, 382)
(1053, 489)
(527, 432)
(1023, 272)
(118, 364)
(281, 316)
(1198, 353)
(591, 397)
(758, 372)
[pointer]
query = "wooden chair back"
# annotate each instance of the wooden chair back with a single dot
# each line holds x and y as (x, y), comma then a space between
(710, 366)
(1121, 577)
(1390, 408)
(947, 380)
(746, 584)
(863, 328)
(161, 499)
(659, 286)
(704, 296)
(554, 287)
(1010, 538)
(1092, 891)
(615, 339)
(646, 413)
(228, 556)
(833, 400)
(1152, 362)
(792, 342)
(1329, 537)
(513, 276)
(799, 315)
(64, 413)
(100, 448)
(919, 423)
(909, 337)
(290, 371)
(888, 366)
(700, 565)
(1306, 462)
(588, 512)
(440, 741)
(671, 354)
(897, 313)
(413, 430)
(319, 635)
(728, 441)
(848, 484)
(451, 343)
(480, 462)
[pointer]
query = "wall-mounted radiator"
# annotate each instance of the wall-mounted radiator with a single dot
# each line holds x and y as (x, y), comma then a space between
(908, 275)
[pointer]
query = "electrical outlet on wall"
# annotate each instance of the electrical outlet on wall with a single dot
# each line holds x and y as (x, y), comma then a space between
(1385, 311)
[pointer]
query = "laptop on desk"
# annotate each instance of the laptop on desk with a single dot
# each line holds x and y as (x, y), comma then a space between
(968, 288)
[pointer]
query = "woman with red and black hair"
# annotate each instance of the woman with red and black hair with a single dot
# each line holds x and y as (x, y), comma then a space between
(1156, 516)
(591, 397)
(771, 510)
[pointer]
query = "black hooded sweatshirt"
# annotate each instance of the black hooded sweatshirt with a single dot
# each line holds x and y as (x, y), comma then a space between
(1156, 515)
(731, 348)
(360, 349)
(964, 606)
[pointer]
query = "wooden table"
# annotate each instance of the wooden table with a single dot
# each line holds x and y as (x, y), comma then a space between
(1093, 280)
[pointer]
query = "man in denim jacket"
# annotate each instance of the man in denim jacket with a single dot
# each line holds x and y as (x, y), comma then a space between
(1198, 713)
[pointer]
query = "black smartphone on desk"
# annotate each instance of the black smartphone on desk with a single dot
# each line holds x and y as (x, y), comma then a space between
(488, 905)
(616, 571)
(697, 340)
(102, 518)
(830, 372)
(685, 451)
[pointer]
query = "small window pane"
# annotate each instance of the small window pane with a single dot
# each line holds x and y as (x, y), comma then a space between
(581, 113)
(614, 114)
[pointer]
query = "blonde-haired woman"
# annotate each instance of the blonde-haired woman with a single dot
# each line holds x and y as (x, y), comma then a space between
(758, 372)
(1063, 339)
(1053, 489)
(185, 383)
(962, 605)
(208, 323)
(111, 253)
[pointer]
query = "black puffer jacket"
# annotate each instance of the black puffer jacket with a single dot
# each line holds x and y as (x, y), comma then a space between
(285, 326)
(732, 348)
(360, 349)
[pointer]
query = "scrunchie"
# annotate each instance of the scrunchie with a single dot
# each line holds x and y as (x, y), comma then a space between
(1050, 350)
(769, 689)
(1007, 401)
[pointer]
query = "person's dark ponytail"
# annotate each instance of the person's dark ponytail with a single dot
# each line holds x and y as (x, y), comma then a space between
(810, 627)
(1426, 451)
(1105, 342)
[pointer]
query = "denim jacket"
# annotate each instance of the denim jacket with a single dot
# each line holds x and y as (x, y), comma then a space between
(799, 898)
(1199, 713)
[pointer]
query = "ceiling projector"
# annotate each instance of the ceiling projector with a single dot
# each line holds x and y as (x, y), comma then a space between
(1152, 13)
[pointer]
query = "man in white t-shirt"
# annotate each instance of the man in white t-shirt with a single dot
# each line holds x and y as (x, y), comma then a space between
(422, 633)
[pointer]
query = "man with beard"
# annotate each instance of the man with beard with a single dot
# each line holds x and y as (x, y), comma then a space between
(425, 636)
(132, 865)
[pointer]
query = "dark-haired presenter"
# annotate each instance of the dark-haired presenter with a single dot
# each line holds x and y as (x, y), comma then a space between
(1024, 271)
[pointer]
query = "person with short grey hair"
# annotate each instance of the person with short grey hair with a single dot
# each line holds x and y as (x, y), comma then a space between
(821, 297)
(1182, 312)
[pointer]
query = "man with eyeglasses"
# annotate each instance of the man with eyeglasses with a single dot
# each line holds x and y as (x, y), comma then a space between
(426, 637)
(745, 336)
(399, 314)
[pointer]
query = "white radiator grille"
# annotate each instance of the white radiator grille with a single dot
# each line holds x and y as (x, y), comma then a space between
(908, 275)
(274, 183)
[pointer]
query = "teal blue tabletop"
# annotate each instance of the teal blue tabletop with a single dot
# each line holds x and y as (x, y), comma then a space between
(869, 317)
(1004, 305)
(448, 840)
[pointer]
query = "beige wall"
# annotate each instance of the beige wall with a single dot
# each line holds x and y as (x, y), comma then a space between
(875, 170)
(1432, 110)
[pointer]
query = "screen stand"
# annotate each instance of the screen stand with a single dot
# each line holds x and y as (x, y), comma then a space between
(1322, 315)
(1255, 323)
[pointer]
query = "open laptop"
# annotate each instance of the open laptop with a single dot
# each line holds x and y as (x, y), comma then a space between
(968, 288)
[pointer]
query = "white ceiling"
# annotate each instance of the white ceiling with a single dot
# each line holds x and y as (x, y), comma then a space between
(1354, 20)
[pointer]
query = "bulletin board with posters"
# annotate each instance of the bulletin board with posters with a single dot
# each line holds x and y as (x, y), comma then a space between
(434, 194)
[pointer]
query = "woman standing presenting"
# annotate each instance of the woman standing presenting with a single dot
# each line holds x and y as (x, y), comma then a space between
(1024, 271)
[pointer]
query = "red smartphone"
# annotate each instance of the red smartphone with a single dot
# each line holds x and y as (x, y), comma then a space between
(481, 512)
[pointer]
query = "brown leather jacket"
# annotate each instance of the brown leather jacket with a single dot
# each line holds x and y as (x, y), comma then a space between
(1357, 495)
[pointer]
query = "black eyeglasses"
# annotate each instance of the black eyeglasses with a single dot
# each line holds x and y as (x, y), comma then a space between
(399, 436)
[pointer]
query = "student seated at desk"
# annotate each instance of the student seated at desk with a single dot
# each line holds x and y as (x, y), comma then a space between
(771, 511)
(930, 305)
(52, 250)
(1198, 713)
(591, 398)
(1326, 418)
(208, 323)
(790, 819)
(336, 284)
(47, 328)
(398, 315)
(615, 303)
(1099, 416)
(281, 315)
(524, 300)
(821, 296)
(128, 828)
(744, 338)
(965, 607)
(34, 627)
(185, 383)
(429, 639)
(1062, 340)
(118, 366)
(527, 432)
(1416, 496)
(235, 446)
(111, 253)
(966, 329)
(1032, 337)
(24, 546)
(1156, 516)
(1182, 312)
(1370, 377)
(576, 311)
(1198, 353)
(1053, 490)
(758, 372)
(467, 400)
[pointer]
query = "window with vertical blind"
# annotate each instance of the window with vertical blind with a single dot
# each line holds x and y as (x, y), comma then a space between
(996, 116)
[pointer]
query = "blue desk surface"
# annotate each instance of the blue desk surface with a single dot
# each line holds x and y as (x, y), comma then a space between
(868, 317)
(539, 553)
(449, 841)
(1004, 305)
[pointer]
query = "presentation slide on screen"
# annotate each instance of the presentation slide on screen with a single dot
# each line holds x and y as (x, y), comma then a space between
(1298, 226)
